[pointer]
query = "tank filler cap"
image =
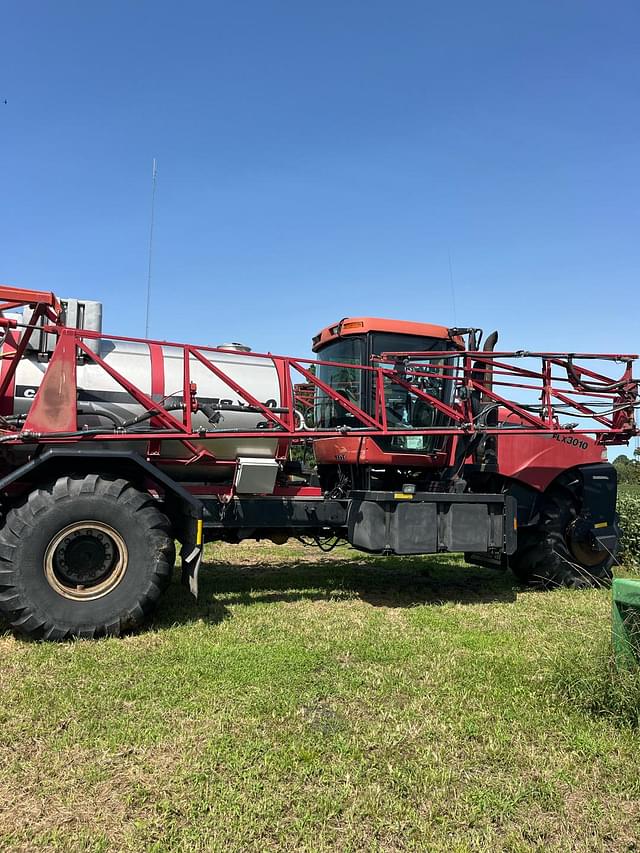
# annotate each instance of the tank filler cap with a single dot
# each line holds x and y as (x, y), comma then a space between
(236, 347)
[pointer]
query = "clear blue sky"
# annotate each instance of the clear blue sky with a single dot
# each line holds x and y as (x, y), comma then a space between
(320, 159)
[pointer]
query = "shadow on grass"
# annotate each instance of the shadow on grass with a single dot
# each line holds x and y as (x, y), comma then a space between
(383, 582)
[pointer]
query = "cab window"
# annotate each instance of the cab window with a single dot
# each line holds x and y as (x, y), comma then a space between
(345, 379)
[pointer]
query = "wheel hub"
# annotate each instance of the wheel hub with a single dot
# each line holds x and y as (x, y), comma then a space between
(85, 560)
(584, 545)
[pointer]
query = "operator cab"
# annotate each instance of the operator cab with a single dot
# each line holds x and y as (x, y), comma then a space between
(355, 341)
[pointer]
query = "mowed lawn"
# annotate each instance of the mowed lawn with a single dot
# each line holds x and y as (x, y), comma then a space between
(325, 702)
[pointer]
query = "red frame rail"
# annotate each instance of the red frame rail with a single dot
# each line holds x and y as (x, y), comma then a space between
(559, 388)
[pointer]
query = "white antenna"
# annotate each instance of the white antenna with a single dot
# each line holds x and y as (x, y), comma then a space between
(154, 175)
(453, 290)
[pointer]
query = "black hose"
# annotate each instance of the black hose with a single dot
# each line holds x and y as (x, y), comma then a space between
(170, 406)
(591, 387)
(212, 409)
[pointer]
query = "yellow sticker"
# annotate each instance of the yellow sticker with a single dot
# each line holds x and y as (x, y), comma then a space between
(602, 524)
(199, 532)
(403, 496)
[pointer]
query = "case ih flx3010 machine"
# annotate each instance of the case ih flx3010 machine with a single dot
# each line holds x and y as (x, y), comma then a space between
(111, 448)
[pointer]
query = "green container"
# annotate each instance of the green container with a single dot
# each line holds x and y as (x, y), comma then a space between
(625, 620)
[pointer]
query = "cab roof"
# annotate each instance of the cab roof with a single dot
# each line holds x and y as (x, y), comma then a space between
(362, 325)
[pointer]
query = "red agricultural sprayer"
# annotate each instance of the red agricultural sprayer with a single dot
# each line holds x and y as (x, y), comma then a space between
(112, 448)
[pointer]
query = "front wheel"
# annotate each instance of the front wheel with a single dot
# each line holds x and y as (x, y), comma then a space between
(562, 549)
(83, 557)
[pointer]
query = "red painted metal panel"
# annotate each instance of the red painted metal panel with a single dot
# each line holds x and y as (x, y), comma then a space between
(364, 450)
(156, 359)
(538, 459)
(54, 406)
(362, 325)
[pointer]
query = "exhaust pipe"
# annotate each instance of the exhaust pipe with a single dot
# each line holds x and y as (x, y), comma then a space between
(489, 346)
(487, 453)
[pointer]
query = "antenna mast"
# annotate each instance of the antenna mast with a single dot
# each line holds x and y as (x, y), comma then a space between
(154, 176)
(453, 289)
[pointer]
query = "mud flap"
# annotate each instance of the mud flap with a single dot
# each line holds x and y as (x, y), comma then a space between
(191, 555)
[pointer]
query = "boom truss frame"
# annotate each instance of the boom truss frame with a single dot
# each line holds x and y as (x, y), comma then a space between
(561, 386)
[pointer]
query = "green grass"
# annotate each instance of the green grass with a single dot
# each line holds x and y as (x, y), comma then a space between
(337, 703)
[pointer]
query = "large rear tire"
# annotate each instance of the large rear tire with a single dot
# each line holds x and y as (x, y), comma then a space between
(561, 550)
(83, 557)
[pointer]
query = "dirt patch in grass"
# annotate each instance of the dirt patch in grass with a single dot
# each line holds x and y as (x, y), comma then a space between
(50, 790)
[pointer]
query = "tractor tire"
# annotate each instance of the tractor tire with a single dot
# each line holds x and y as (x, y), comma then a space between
(83, 557)
(551, 555)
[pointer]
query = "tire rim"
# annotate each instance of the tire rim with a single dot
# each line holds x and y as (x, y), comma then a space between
(583, 544)
(85, 560)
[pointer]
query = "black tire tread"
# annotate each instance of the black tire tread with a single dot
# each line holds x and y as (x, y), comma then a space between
(23, 517)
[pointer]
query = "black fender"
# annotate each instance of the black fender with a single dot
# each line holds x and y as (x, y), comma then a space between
(595, 484)
(599, 499)
(596, 487)
(599, 492)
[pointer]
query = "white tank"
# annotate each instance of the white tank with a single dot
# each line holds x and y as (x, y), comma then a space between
(100, 396)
